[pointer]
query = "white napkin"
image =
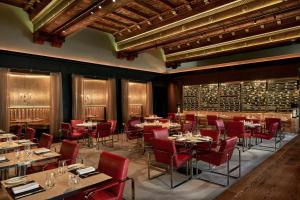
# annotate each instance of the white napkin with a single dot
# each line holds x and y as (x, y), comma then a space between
(43, 150)
(23, 141)
(24, 188)
(2, 158)
(85, 170)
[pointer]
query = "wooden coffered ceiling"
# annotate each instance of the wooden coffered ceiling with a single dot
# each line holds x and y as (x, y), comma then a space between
(187, 30)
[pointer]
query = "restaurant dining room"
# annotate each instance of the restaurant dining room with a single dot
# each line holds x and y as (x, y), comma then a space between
(149, 99)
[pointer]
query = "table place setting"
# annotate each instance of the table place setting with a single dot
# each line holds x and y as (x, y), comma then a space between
(3, 159)
(23, 141)
(85, 172)
(41, 151)
(75, 166)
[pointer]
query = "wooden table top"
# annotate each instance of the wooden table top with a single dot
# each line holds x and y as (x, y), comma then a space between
(62, 187)
(164, 125)
(7, 135)
(34, 158)
(14, 145)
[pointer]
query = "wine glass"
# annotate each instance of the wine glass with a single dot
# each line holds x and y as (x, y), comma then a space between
(50, 180)
(18, 155)
(61, 167)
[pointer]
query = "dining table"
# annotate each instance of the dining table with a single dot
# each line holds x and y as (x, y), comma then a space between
(21, 160)
(169, 125)
(11, 145)
(7, 136)
(89, 126)
(61, 188)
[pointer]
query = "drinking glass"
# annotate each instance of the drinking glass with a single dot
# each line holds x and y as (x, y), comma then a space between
(61, 166)
(50, 180)
(18, 155)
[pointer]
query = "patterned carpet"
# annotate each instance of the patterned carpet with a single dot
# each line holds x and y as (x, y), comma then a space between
(158, 189)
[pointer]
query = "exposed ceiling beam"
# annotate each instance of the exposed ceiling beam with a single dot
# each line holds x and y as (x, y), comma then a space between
(256, 40)
(103, 27)
(52, 10)
(147, 6)
(123, 25)
(129, 19)
(166, 3)
(136, 12)
(212, 16)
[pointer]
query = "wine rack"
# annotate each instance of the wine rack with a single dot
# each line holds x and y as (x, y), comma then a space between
(191, 98)
(282, 94)
(251, 96)
(230, 96)
(209, 97)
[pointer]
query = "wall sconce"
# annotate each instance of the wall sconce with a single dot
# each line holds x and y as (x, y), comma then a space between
(87, 99)
(26, 98)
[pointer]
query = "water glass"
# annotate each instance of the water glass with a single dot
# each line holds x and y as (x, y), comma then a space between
(73, 179)
(50, 180)
(18, 154)
(61, 166)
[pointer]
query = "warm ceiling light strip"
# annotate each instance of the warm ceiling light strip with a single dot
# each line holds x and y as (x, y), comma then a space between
(266, 38)
(53, 9)
(212, 16)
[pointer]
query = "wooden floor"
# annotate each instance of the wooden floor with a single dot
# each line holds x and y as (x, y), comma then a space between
(277, 178)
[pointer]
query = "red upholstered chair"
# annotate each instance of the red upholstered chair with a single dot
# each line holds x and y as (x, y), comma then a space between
(206, 146)
(172, 117)
(270, 121)
(161, 133)
(165, 153)
(221, 156)
(220, 126)
(211, 120)
(74, 123)
(68, 152)
(115, 166)
(190, 118)
(113, 126)
(186, 127)
(237, 129)
(268, 135)
(103, 130)
(30, 134)
(45, 141)
(17, 130)
(148, 135)
(69, 133)
(163, 120)
(239, 118)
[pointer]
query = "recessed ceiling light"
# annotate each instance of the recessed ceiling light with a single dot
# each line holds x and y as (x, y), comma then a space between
(148, 22)
(262, 26)
(198, 42)
(206, 2)
(208, 39)
(297, 17)
(188, 44)
(189, 7)
(174, 12)
(99, 6)
(92, 13)
(278, 22)
(178, 46)
(247, 30)
(233, 33)
(138, 26)
(63, 31)
(113, 1)
(220, 36)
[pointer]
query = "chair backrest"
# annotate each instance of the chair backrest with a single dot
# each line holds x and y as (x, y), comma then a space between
(163, 120)
(214, 134)
(133, 122)
(45, 141)
(29, 133)
(74, 123)
(148, 132)
(115, 166)
(163, 150)
(171, 116)
(270, 121)
(16, 129)
(256, 121)
(190, 117)
(239, 118)
(211, 119)
(226, 148)
(65, 129)
(187, 127)
(104, 129)
(235, 128)
(274, 128)
(220, 125)
(69, 151)
(113, 126)
(161, 133)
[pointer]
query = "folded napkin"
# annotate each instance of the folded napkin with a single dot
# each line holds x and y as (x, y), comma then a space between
(25, 188)
(74, 166)
(43, 150)
(85, 170)
(23, 141)
(2, 158)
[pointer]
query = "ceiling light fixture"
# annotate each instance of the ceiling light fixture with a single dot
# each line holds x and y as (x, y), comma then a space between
(188, 44)
(247, 30)
(189, 7)
(233, 33)
(208, 39)
(129, 30)
(113, 1)
(206, 2)
(148, 22)
(221, 36)
(174, 12)
(138, 26)
(262, 26)
(278, 22)
(297, 17)
(92, 13)
(178, 46)
(99, 6)
(198, 42)
(160, 18)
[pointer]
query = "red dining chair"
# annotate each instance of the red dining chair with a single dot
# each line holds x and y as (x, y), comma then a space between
(103, 130)
(68, 152)
(172, 117)
(208, 146)
(17, 130)
(113, 126)
(163, 120)
(134, 134)
(116, 167)
(269, 122)
(211, 120)
(268, 135)
(69, 133)
(220, 157)
(220, 126)
(186, 127)
(239, 118)
(74, 123)
(237, 129)
(148, 135)
(190, 118)
(30, 134)
(165, 153)
(45, 141)
(160, 133)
